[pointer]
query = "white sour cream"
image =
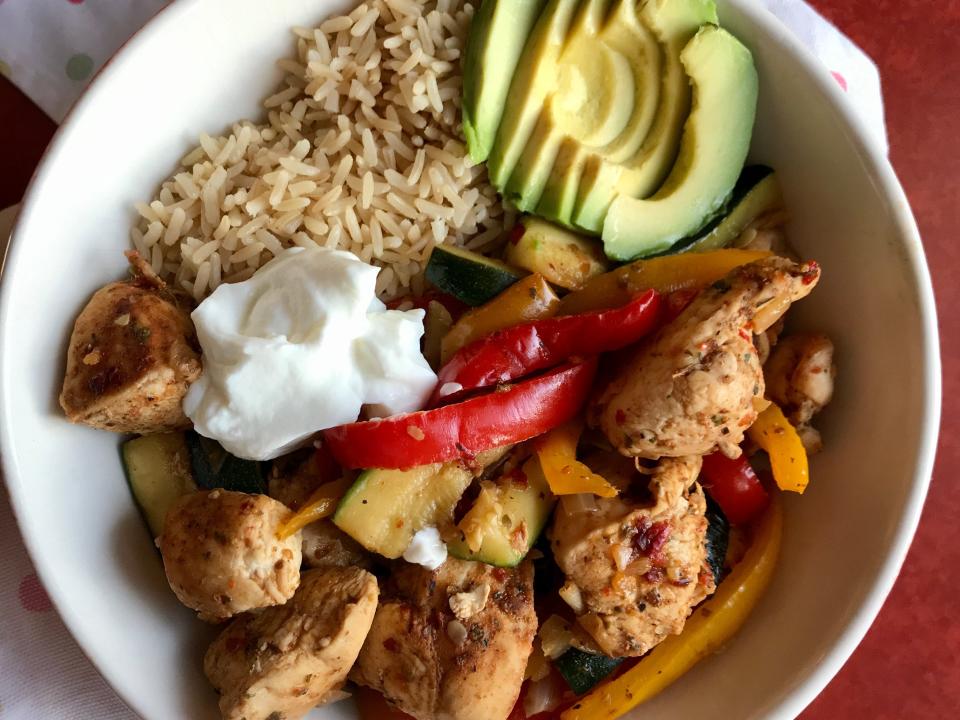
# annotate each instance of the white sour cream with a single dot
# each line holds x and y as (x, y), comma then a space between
(427, 549)
(300, 347)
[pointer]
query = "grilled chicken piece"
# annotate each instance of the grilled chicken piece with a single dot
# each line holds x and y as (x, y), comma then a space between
(800, 375)
(281, 662)
(222, 556)
(452, 643)
(326, 545)
(132, 355)
(635, 572)
(691, 389)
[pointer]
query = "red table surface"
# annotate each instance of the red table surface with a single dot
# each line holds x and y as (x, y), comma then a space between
(908, 667)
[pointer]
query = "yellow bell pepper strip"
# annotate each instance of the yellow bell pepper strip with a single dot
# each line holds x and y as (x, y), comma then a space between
(530, 298)
(557, 452)
(709, 627)
(788, 458)
(320, 505)
(665, 274)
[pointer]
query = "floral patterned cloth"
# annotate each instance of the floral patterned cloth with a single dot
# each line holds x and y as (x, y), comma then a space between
(51, 49)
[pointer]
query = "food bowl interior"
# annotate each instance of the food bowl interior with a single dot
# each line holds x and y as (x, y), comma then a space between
(202, 64)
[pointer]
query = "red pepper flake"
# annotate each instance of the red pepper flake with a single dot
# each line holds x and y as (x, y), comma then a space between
(745, 334)
(391, 645)
(811, 271)
(651, 537)
(499, 574)
(516, 233)
(621, 417)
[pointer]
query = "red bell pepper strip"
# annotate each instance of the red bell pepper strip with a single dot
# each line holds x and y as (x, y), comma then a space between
(735, 487)
(517, 351)
(510, 414)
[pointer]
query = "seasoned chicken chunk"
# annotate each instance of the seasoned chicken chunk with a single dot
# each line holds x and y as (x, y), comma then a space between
(284, 660)
(635, 571)
(691, 390)
(324, 545)
(452, 643)
(131, 358)
(800, 375)
(222, 556)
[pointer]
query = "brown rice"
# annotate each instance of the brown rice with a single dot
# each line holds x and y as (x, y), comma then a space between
(361, 151)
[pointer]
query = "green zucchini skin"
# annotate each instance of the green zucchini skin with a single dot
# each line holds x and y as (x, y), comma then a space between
(528, 507)
(469, 276)
(213, 467)
(157, 469)
(583, 670)
(717, 540)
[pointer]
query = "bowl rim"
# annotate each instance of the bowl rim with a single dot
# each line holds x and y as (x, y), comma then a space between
(793, 699)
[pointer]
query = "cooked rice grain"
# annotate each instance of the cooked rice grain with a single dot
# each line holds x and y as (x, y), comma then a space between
(361, 151)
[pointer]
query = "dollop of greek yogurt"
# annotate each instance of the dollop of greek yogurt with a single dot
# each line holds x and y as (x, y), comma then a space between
(299, 347)
(426, 548)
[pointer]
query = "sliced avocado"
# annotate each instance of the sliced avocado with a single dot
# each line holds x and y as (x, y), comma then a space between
(532, 82)
(564, 258)
(560, 191)
(535, 165)
(756, 193)
(625, 33)
(597, 99)
(593, 86)
(716, 137)
(673, 23)
(498, 33)
(513, 513)
(468, 276)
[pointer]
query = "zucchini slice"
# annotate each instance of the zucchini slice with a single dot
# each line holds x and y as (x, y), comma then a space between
(564, 258)
(384, 509)
(583, 670)
(469, 276)
(436, 323)
(158, 471)
(213, 467)
(511, 513)
(717, 540)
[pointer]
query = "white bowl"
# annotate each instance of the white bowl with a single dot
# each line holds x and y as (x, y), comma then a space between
(201, 64)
